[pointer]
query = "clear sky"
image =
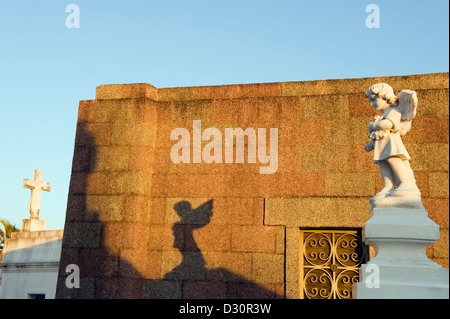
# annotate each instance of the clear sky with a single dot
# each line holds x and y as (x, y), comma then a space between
(46, 68)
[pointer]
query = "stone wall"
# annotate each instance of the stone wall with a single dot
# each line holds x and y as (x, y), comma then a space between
(123, 226)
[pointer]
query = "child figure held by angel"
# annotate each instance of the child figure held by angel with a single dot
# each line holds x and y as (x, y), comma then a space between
(385, 132)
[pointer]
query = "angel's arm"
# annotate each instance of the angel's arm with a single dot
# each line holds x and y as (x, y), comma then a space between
(383, 125)
(374, 120)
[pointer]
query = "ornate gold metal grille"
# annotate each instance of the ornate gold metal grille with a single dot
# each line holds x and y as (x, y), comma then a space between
(329, 263)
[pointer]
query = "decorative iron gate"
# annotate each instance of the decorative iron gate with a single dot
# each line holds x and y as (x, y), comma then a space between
(329, 263)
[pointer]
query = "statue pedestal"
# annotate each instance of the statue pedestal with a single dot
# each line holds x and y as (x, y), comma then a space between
(33, 224)
(401, 269)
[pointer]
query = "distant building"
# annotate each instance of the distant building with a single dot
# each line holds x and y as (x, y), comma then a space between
(30, 262)
(30, 265)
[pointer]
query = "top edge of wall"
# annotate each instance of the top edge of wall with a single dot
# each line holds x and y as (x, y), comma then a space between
(275, 89)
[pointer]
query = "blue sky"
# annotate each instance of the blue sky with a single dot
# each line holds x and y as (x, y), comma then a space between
(46, 68)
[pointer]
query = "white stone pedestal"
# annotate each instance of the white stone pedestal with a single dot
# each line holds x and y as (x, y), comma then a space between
(33, 224)
(401, 269)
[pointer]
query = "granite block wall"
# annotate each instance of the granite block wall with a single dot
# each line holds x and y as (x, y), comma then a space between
(140, 226)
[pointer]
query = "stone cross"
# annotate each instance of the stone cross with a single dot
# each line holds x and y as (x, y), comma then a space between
(36, 186)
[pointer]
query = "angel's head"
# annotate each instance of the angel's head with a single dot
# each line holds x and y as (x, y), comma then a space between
(197, 217)
(407, 104)
(380, 96)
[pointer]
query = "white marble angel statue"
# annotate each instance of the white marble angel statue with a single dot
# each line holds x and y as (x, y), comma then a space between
(385, 132)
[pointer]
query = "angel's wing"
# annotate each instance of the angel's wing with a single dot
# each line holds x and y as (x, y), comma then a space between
(407, 104)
